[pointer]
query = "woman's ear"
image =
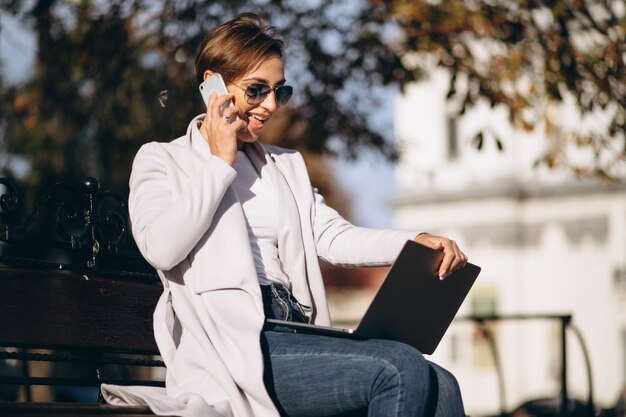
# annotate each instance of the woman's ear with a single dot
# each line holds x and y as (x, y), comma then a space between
(207, 74)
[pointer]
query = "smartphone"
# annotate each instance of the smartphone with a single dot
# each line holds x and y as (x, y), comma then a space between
(214, 82)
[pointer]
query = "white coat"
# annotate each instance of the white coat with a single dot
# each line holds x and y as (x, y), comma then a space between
(189, 224)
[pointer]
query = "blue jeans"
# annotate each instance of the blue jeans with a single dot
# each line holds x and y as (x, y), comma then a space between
(310, 375)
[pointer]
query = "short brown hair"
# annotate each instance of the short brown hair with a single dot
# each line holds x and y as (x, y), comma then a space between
(236, 47)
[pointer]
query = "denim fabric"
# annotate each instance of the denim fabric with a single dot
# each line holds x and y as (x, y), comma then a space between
(310, 375)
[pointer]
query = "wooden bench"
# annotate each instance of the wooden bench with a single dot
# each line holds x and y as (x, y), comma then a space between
(75, 308)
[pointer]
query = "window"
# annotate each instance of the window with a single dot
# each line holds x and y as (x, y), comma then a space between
(453, 139)
(619, 280)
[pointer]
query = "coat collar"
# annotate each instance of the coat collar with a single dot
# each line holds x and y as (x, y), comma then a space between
(198, 143)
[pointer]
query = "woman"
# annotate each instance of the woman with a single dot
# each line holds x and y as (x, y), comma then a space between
(234, 229)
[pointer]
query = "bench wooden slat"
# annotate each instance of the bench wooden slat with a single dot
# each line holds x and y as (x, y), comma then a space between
(56, 310)
(11, 409)
(78, 382)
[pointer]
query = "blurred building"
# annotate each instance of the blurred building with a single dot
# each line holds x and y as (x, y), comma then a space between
(547, 242)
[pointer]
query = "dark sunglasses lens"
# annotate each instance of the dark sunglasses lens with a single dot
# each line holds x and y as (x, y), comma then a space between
(257, 92)
(283, 94)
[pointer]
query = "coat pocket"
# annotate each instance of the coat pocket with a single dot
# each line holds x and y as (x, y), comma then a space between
(202, 275)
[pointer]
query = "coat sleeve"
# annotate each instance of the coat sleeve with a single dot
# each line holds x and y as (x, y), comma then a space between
(168, 225)
(341, 243)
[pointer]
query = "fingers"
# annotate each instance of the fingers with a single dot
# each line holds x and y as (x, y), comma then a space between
(448, 259)
(231, 113)
(235, 125)
(232, 117)
(216, 104)
(220, 128)
(212, 111)
(453, 257)
(429, 241)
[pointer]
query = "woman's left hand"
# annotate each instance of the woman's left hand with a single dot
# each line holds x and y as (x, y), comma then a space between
(453, 257)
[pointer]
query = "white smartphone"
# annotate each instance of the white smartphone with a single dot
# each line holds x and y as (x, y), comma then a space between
(214, 82)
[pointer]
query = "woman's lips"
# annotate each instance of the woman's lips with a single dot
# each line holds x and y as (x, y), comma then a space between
(256, 122)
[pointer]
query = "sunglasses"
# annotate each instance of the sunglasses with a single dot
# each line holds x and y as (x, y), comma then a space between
(255, 93)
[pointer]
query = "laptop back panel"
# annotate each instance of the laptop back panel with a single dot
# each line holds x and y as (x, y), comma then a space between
(413, 305)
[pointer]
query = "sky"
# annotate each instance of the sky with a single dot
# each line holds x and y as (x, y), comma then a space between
(17, 49)
(368, 181)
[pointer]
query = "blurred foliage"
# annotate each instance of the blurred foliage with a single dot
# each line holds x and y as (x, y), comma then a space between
(529, 56)
(91, 101)
(101, 68)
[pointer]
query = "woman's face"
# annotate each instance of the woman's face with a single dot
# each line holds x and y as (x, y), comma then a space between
(271, 72)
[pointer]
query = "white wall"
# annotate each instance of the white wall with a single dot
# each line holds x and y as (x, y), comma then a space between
(547, 243)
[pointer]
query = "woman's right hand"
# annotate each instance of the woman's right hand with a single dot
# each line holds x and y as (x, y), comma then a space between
(220, 129)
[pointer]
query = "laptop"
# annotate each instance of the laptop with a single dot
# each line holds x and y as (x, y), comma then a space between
(412, 305)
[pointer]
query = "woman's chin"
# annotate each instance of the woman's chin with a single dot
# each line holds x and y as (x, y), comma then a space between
(248, 135)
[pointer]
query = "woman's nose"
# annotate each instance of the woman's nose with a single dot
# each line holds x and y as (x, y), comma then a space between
(270, 102)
